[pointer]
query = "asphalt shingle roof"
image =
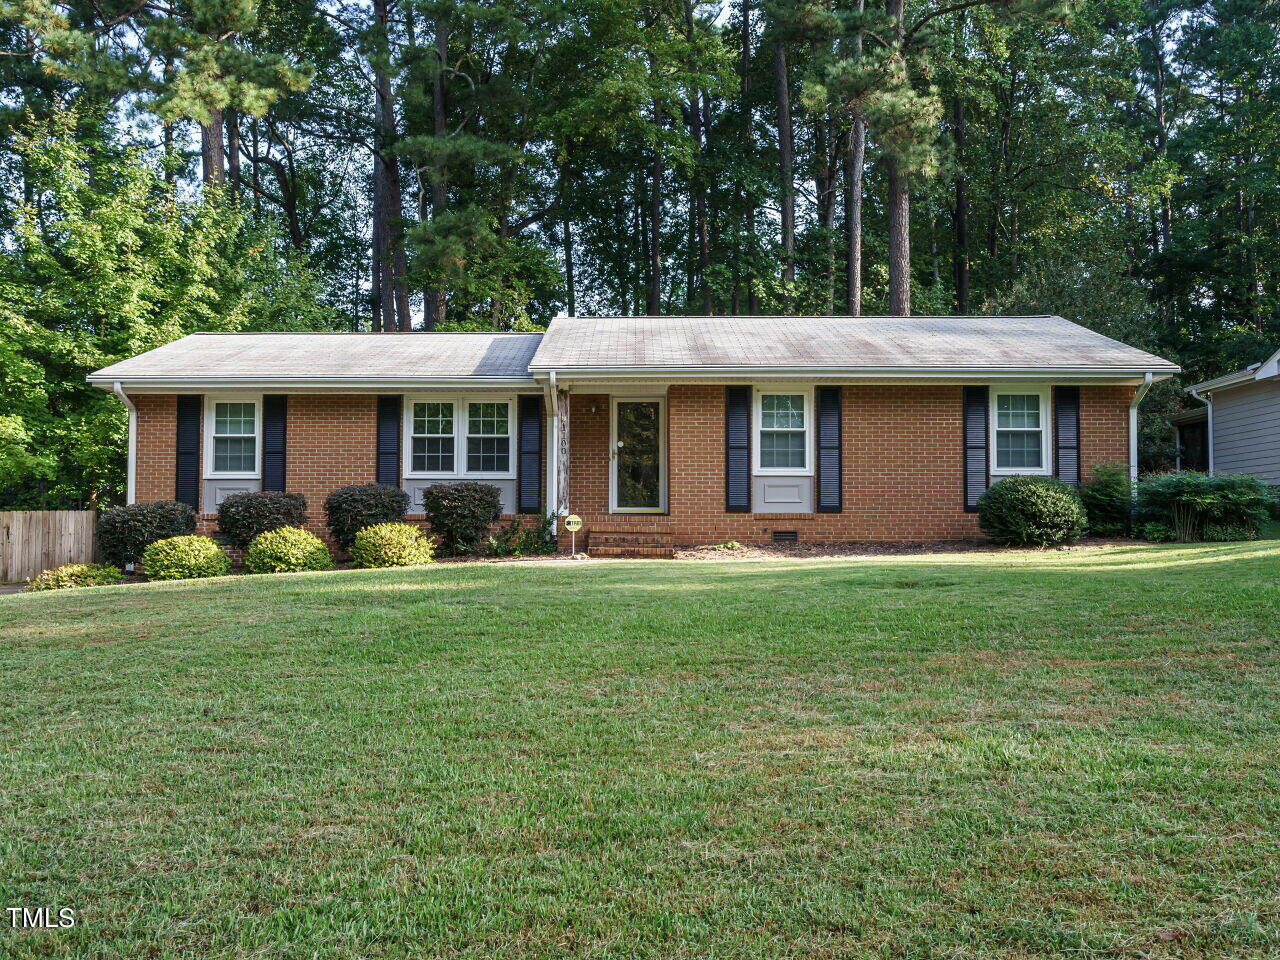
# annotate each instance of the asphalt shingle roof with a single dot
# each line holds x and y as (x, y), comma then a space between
(584, 343)
(311, 356)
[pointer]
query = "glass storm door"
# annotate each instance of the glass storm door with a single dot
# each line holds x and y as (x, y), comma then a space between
(637, 456)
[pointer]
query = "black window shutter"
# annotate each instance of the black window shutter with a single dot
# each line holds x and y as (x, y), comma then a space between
(1066, 433)
(529, 437)
(186, 485)
(737, 435)
(388, 471)
(977, 463)
(828, 420)
(275, 413)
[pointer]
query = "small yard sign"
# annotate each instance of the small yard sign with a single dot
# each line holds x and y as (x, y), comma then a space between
(573, 523)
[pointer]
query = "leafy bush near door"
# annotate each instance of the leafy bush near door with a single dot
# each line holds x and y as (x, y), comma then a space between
(461, 514)
(1108, 500)
(185, 558)
(1196, 505)
(286, 550)
(1031, 511)
(243, 516)
(517, 540)
(125, 532)
(392, 545)
(76, 575)
(351, 509)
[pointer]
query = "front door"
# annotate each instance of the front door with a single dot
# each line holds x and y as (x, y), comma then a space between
(639, 472)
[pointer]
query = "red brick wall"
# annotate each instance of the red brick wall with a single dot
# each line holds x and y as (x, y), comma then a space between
(157, 446)
(901, 448)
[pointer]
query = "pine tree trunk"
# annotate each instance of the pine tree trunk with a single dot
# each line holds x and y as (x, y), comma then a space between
(233, 153)
(571, 306)
(653, 299)
(213, 156)
(748, 134)
(786, 149)
(436, 304)
(854, 160)
(960, 213)
(899, 239)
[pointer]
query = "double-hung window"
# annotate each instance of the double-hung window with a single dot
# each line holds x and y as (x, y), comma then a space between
(783, 421)
(488, 437)
(1020, 432)
(431, 439)
(235, 438)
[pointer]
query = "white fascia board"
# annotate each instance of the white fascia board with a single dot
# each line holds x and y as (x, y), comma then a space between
(1219, 383)
(310, 384)
(879, 373)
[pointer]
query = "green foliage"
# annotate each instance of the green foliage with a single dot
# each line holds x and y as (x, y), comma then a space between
(125, 532)
(1031, 511)
(516, 539)
(351, 509)
(1189, 502)
(75, 575)
(1227, 532)
(286, 550)
(462, 513)
(392, 545)
(1157, 532)
(242, 516)
(1108, 499)
(107, 260)
(185, 558)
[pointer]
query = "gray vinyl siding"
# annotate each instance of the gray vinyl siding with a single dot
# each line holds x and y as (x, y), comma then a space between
(1246, 430)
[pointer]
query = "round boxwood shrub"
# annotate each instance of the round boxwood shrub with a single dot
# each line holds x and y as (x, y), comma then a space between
(462, 513)
(286, 550)
(124, 532)
(1031, 511)
(351, 509)
(76, 575)
(242, 516)
(391, 545)
(185, 558)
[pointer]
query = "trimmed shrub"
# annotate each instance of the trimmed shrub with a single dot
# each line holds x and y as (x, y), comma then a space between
(1157, 532)
(1189, 501)
(462, 513)
(286, 550)
(76, 575)
(1108, 500)
(392, 545)
(242, 516)
(185, 558)
(1031, 511)
(1227, 532)
(351, 509)
(125, 532)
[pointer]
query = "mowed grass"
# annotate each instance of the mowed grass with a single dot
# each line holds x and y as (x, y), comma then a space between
(972, 755)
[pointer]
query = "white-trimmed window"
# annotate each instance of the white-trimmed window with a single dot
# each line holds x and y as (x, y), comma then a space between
(431, 440)
(782, 431)
(233, 429)
(1020, 431)
(458, 436)
(488, 437)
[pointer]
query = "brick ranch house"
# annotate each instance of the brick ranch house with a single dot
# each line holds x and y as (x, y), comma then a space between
(656, 431)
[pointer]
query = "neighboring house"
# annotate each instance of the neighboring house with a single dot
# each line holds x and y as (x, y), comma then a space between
(1240, 423)
(656, 431)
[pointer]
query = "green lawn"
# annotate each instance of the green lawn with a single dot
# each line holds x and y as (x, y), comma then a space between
(971, 755)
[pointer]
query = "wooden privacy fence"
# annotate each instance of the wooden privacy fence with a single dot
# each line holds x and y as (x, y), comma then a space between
(35, 540)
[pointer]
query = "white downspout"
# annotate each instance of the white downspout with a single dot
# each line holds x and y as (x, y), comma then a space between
(553, 454)
(1133, 427)
(1208, 402)
(131, 470)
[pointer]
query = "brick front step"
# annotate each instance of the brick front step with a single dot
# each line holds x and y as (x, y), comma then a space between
(636, 551)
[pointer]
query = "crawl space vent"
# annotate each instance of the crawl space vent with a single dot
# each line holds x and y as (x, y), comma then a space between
(785, 536)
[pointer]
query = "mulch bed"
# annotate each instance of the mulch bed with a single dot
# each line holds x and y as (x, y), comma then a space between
(870, 548)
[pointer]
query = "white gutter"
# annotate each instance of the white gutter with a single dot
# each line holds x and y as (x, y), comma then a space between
(131, 471)
(859, 371)
(1133, 426)
(307, 383)
(1208, 402)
